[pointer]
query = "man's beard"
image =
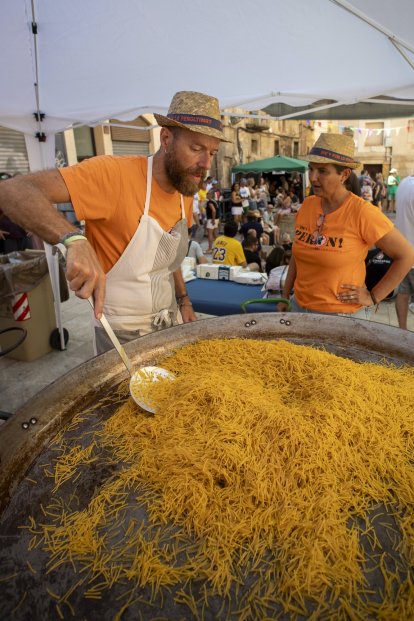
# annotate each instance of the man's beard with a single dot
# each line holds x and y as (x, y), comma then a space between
(180, 177)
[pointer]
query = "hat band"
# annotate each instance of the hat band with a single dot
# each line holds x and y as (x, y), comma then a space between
(332, 155)
(196, 119)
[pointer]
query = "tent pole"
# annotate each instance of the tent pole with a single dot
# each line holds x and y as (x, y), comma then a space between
(347, 6)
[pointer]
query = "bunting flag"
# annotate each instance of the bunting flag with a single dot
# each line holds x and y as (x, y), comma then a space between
(376, 131)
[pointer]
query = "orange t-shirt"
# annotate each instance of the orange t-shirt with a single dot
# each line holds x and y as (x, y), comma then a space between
(339, 258)
(109, 194)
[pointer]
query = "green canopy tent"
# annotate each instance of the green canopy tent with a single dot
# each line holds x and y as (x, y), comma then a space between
(276, 165)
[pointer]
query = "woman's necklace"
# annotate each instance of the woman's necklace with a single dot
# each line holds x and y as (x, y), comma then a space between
(327, 208)
(334, 204)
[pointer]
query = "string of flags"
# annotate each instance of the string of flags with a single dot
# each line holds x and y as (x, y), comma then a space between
(369, 130)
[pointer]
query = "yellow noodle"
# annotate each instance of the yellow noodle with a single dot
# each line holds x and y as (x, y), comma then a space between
(20, 602)
(7, 578)
(256, 449)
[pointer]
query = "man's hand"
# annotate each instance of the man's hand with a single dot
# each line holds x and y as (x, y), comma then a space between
(187, 313)
(85, 275)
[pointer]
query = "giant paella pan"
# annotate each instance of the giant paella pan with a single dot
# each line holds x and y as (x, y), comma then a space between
(275, 480)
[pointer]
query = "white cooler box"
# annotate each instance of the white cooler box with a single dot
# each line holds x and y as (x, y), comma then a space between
(218, 272)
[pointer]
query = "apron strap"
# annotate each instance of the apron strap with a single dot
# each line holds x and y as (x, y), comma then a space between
(148, 192)
(149, 185)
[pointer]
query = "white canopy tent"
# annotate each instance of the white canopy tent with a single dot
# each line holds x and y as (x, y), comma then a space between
(82, 62)
(73, 63)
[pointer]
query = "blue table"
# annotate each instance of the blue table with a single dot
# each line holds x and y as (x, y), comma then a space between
(223, 297)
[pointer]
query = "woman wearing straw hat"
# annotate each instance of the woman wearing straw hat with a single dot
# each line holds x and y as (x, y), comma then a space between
(333, 231)
(137, 212)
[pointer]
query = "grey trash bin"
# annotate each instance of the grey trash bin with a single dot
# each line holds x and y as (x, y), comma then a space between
(26, 300)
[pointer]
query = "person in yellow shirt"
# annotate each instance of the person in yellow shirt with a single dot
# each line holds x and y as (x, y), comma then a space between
(202, 200)
(226, 249)
(202, 193)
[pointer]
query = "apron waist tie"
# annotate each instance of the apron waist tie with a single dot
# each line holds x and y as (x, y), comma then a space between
(163, 319)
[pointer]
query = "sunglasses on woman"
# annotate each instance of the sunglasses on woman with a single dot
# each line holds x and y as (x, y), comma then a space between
(319, 227)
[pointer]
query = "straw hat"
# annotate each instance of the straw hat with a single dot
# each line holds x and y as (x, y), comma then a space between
(393, 170)
(333, 149)
(194, 111)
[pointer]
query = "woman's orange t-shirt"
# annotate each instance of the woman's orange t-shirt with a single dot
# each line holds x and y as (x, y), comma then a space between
(109, 194)
(339, 258)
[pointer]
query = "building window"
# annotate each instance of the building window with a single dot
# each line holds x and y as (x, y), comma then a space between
(61, 158)
(85, 144)
(277, 147)
(296, 148)
(375, 134)
(254, 146)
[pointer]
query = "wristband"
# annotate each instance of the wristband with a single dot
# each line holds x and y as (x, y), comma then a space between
(181, 297)
(68, 238)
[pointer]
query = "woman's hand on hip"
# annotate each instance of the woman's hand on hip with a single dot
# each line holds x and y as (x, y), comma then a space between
(352, 294)
(85, 275)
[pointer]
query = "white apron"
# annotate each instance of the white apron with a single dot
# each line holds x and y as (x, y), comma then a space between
(140, 291)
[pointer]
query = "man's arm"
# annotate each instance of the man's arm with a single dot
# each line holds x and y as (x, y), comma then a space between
(213, 210)
(29, 201)
(184, 302)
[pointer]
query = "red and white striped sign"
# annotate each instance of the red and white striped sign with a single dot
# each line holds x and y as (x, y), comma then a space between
(20, 307)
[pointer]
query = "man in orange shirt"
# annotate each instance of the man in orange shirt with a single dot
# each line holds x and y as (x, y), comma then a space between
(137, 212)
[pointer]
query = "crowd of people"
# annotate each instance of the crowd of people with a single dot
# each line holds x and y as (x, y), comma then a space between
(141, 214)
(284, 195)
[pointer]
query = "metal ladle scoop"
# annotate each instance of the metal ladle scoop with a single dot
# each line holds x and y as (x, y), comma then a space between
(143, 375)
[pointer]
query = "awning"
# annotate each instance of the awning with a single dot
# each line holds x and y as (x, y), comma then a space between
(277, 163)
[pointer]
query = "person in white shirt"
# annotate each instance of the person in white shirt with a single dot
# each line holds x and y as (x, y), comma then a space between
(405, 224)
(366, 190)
(196, 213)
(194, 250)
(244, 192)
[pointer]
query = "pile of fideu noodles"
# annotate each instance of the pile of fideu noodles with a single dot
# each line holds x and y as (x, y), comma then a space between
(263, 463)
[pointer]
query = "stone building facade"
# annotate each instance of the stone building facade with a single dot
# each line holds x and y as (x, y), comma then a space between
(381, 145)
